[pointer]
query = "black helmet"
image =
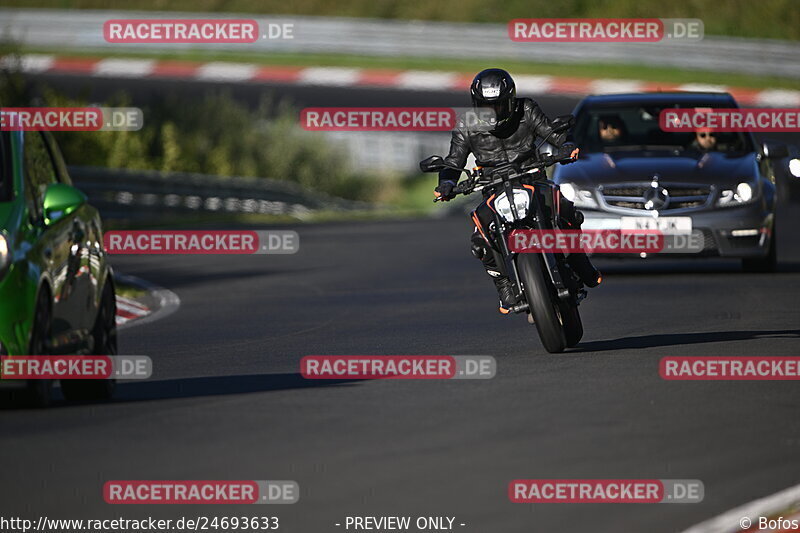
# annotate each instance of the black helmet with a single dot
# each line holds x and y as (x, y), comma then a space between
(494, 88)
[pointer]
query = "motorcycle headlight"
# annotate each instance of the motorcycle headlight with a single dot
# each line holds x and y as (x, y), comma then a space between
(569, 191)
(744, 193)
(521, 202)
(580, 197)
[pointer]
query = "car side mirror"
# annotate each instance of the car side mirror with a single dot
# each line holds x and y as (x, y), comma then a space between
(562, 123)
(432, 164)
(60, 200)
(775, 150)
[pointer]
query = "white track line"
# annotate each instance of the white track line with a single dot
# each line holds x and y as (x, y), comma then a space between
(529, 84)
(29, 62)
(419, 80)
(778, 98)
(220, 71)
(125, 68)
(703, 87)
(615, 86)
(331, 76)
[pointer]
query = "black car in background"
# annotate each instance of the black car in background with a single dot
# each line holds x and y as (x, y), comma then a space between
(632, 174)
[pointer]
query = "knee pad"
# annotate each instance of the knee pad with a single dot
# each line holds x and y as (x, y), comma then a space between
(478, 250)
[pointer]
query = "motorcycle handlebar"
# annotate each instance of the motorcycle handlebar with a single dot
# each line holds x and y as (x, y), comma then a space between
(467, 186)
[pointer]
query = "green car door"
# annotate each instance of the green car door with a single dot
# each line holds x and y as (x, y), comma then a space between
(55, 255)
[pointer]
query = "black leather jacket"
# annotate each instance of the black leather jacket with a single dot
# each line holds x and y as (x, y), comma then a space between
(515, 142)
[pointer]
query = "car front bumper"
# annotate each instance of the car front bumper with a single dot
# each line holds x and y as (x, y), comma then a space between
(736, 232)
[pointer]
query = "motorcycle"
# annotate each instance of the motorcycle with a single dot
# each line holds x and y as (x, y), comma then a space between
(547, 288)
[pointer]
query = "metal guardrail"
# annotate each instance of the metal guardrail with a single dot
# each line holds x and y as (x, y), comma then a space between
(83, 29)
(392, 152)
(137, 194)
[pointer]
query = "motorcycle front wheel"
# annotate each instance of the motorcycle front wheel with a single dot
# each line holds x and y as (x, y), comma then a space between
(573, 326)
(542, 302)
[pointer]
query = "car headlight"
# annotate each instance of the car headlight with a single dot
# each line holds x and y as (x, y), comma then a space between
(794, 167)
(580, 197)
(743, 194)
(4, 254)
(521, 202)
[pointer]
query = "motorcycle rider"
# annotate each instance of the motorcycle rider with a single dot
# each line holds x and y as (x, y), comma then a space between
(510, 137)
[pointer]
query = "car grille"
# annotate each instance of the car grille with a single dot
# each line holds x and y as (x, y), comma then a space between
(631, 196)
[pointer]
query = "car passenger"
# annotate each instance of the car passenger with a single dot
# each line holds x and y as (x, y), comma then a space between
(705, 140)
(611, 128)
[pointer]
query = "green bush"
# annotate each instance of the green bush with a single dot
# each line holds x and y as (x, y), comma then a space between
(215, 135)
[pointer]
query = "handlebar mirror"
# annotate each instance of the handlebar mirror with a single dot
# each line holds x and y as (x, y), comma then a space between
(563, 123)
(432, 164)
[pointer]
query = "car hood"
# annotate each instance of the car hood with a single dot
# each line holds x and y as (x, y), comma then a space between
(615, 167)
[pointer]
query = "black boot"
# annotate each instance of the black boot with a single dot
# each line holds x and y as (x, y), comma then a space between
(580, 263)
(590, 276)
(505, 290)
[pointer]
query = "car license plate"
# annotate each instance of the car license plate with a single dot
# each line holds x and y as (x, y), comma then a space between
(666, 225)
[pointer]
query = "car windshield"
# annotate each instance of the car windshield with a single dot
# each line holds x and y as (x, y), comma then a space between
(635, 127)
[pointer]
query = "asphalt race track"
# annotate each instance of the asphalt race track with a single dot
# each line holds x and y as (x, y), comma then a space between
(227, 401)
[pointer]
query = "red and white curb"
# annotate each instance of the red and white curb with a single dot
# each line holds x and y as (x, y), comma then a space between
(745, 519)
(134, 313)
(357, 77)
(128, 310)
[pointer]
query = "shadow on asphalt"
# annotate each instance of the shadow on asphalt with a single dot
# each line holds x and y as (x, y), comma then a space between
(688, 266)
(678, 339)
(143, 391)
(216, 386)
(181, 277)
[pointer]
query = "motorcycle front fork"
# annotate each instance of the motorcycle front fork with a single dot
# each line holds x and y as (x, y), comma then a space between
(566, 289)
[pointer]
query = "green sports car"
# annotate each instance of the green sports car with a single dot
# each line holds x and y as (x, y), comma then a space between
(56, 288)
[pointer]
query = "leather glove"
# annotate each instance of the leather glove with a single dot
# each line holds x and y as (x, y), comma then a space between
(445, 191)
(568, 150)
